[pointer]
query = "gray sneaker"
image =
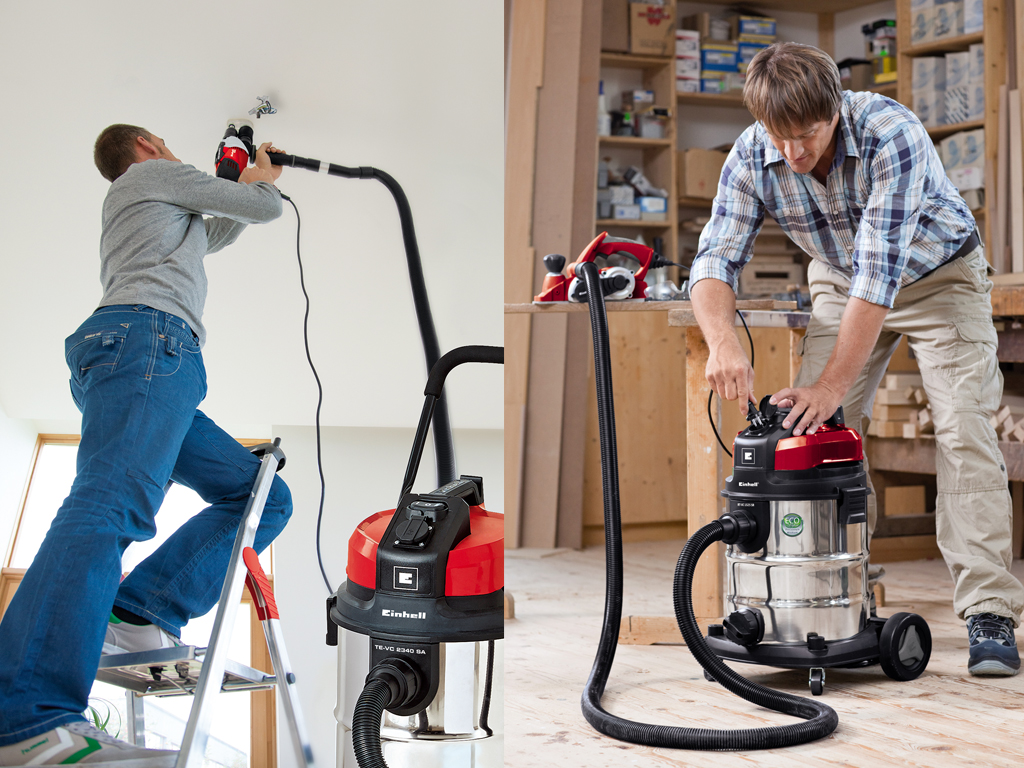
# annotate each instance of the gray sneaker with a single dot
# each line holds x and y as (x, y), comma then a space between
(80, 743)
(123, 637)
(993, 647)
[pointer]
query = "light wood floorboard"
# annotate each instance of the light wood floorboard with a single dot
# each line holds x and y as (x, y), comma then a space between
(944, 718)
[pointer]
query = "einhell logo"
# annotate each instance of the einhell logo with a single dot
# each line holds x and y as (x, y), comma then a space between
(656, 15)
(403, 614)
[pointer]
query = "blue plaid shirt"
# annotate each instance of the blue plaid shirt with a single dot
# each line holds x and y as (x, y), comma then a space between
(886, 216)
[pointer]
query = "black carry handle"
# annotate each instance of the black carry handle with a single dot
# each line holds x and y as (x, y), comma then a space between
(435, 384)
(458, 356)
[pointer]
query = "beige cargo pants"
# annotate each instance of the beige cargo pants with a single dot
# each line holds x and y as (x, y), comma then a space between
(947, 319)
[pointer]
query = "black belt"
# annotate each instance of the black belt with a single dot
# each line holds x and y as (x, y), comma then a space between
(968, 245)
(972, 242)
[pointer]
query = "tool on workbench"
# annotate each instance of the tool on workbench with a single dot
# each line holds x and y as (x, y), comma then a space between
(797, 563)
(422, 611)
(617, 281)
(203, 673)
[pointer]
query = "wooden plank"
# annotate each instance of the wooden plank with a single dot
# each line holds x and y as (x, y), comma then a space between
(918, 456)
(902, 380)
(1017, 539)
(894, 397)
(516, 378)
(904, 500)
(638, 305)
(894, 412)
(827, 32)
(899, 548)
(795, 337)
(593, 535)
(1016, 184)
(998, 22)
(999, 222)
(703, 472)
(656, 630)
(685, 318)
(649, 389)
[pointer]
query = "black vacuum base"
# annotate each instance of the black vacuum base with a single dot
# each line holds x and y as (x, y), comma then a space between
(860, 650)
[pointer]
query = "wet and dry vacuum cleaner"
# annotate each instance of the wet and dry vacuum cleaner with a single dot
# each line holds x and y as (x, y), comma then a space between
(797, 561)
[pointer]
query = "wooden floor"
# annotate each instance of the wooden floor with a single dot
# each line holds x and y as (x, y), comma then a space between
(944, 718)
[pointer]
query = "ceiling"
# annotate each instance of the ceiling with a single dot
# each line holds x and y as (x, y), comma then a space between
(412, 88)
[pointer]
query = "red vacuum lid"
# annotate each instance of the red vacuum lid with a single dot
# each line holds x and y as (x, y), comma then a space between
(476, 566)
(828, 445)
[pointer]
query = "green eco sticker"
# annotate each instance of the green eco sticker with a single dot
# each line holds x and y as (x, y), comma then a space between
(792, 525)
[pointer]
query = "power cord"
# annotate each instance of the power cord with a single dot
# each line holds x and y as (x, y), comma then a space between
(711, 394)
(320, 394)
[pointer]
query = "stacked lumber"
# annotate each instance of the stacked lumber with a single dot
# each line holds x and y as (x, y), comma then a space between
(901, 408)
(1009, 421)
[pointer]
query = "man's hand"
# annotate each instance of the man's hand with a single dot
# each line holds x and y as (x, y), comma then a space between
(729, 373)
(811, 405)
(263, 160)
(254, 174)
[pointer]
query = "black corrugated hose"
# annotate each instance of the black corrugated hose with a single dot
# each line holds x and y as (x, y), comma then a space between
(374, 699)
(821, 719)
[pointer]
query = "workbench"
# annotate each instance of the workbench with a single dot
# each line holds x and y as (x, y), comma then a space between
(704, 467)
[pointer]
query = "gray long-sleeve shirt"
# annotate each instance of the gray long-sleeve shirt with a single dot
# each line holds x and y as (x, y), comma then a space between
(155, 237)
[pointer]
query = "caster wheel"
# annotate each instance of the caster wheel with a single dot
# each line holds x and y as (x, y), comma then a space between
(817, 681)
(708, 677)
(904, 646)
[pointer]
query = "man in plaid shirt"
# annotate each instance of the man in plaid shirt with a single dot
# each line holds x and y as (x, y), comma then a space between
(855, 181)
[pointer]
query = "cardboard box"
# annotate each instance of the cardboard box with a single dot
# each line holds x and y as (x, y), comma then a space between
(929, 73)
(626, 212)
(634, 101)
(686, 85)
(747, 51)
(688, 68)
(713, 82)
(958, 66)
(621, 194)
(759, 26)
(901, 500)
(699, 171)
(974, 16)
(615, 26)
(652, 29)
(949, 19)
(653, 208)
(699, 23)
(957, 92)
(976, 83)
(765, 275)
(856, 74)
(922, 21)
(719, 57)
(928, 105)
(688, 43)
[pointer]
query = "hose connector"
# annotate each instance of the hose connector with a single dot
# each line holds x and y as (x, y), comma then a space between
(738, 527)
(402, 678)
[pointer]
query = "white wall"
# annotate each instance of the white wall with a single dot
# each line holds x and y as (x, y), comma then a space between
(17, 441)
(363, 470)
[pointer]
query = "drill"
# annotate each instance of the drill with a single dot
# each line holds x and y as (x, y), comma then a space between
(235, 152)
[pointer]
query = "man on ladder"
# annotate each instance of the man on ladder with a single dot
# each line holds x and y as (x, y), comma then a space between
(137, 375)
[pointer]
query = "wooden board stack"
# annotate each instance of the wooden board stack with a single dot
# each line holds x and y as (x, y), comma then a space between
(901, 408)
(1009, 420)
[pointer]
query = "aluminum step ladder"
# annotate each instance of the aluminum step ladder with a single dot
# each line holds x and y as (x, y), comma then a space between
(205, 672)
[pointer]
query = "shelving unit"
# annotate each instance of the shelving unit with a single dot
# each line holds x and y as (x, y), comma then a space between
(658, 158)
(993, 36)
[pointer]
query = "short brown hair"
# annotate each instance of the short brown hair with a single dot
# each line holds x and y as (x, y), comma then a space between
(115, 149)
(790, 86)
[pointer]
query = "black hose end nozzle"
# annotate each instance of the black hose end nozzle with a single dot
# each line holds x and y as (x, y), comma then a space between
(737, 527)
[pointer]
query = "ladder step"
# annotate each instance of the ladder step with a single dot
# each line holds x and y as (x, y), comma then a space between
(174, 672)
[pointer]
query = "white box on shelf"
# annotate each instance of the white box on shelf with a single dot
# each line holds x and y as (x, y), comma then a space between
(622, 194)
(929, 105)
(955, 105)
(650, 204)
(976, 83)
(949, 19)
(928, 73)
(922, 21)
(958, 66)
(626, 212)
(687, 68)
(688, 42)
(974, 16)
(685, 85)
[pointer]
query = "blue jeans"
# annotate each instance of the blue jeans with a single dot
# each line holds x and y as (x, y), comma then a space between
(137, 375)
